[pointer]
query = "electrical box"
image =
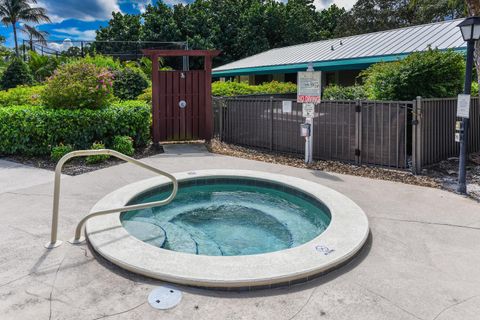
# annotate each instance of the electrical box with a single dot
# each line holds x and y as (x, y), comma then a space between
(305, 130)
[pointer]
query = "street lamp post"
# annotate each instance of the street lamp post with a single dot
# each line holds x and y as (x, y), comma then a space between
(470, 29)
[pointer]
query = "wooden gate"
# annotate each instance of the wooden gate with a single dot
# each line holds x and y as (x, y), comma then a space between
(182, 105)
(182, 100)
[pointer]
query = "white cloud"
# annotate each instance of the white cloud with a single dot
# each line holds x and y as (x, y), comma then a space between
(75, 33)
(64, 46)
(142, 4)
(85, 10)
(347, 4)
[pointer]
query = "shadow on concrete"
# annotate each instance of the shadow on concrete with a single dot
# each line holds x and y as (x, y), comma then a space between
(326, 175)
(242, 293)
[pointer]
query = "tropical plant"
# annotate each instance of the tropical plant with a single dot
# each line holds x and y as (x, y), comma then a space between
(336, 92)
(123, 144)
(101, 61)
(230, 88)
(15, 11)
(17, 73)
(34, 34)
(146, 95)
(430, 74)
(42, 67)
(78, 85)
(129, 83)
(21, 95)
(98, 158)
(59, 151)
(34, 130)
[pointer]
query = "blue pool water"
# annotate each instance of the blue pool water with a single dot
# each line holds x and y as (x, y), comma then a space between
(228, 217)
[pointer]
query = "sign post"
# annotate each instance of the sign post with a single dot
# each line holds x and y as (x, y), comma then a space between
(309, 94)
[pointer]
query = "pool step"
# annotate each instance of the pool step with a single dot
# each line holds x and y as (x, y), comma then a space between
(178, 239)
(146, 231)
(205, 245)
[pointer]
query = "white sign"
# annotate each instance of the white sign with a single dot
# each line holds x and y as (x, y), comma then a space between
(463, 106)
(309, 87)
(308, 110)
(457, 137)
(286, 106)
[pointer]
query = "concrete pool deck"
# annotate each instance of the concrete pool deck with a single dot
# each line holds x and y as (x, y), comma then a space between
(421, 261)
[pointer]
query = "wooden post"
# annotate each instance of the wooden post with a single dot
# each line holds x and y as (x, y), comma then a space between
(155, 101)
(208, 99)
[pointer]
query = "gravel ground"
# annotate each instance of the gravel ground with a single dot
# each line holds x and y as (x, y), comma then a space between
(442, 176)
(78, 166)
(446, 172)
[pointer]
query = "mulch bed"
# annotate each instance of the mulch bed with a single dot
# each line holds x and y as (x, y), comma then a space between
(78, 166)
(330, 166)
(442, 176)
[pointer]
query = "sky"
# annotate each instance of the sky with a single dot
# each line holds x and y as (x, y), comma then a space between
(78, 19)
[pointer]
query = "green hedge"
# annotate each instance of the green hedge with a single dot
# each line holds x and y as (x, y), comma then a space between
(34, 130)
(336, 92)
(429, 74)
(227, 89)
(21, 95)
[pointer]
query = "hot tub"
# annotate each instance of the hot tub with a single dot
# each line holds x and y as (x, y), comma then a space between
(229, 229)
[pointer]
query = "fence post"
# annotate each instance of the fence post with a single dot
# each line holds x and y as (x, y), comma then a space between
(271, 123)
(417, 136)
(358, 132)
(220, 118)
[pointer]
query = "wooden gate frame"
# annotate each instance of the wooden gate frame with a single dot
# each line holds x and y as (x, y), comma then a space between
(208, 55)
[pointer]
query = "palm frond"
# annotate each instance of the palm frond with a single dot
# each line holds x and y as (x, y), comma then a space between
(33, 33)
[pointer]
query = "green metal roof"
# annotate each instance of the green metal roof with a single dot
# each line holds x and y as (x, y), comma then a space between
(350, 53)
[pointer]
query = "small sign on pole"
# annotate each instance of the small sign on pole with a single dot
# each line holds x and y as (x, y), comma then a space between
(309, 87)
(287, 106)
(309, 91)
(308, 110)
(463, 106)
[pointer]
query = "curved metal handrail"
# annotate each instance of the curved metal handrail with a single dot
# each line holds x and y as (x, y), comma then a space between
(54, 242)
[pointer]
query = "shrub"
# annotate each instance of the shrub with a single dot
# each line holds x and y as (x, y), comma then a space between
(43, 67)
(98, 158)
(276, 87)
(430, 74)
(17, 73)
(21, 95)
(129, 83)
(79, 85)
(123, 144)
(33, 130)
(146, 95)
(475, 89)
(336, 92)
(242, 88)
(100, 61)
(59, 151)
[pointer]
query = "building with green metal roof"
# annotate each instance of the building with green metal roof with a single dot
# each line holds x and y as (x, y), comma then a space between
(342, 59)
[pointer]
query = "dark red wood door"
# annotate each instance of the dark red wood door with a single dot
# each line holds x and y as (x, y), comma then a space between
(181, 109)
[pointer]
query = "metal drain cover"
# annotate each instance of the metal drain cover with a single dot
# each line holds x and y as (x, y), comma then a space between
(164, 297)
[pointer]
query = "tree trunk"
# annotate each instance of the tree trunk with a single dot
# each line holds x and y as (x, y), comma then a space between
(474, 10)
(15, 37)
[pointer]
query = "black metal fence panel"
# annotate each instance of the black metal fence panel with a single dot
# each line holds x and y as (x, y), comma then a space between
(436, 129)
(366, 132)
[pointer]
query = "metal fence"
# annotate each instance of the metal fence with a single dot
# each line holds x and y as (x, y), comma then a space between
(123, 50)
(364, 132)
(434, 132)
(383, 133)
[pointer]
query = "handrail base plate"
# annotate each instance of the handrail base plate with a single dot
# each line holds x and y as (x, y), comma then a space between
(51, 245)
(79, 241)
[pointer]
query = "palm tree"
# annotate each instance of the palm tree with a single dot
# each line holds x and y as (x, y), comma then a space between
(34, 34)
(14, 11)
